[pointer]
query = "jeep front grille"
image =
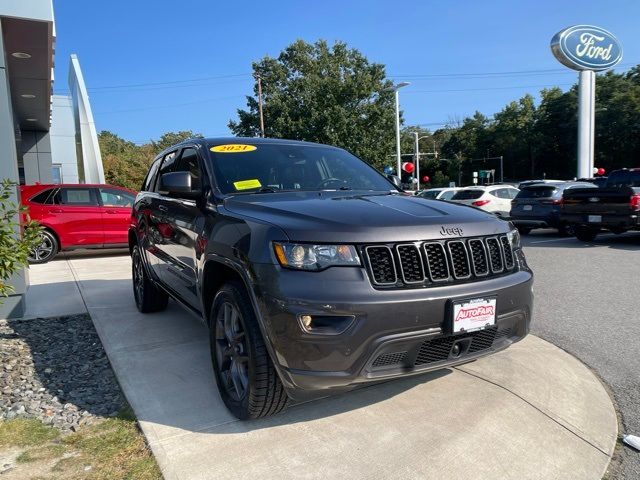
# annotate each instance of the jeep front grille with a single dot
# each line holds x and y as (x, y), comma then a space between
(424, 264)
(382, 265)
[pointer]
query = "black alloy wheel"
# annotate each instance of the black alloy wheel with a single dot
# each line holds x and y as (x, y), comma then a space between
(247, 380)
(148, 297)
(231, 351)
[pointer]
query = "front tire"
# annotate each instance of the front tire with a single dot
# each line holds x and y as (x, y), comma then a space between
(247, 380)
(586, 234)
(47, 249)
(149, 298)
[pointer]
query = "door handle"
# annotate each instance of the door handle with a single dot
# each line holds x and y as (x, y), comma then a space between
(111, 211)
(163, 208)
(55, 210)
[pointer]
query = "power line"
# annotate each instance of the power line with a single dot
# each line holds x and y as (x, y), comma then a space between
(169, 105)
(493, 74)
(107, 87)
(490, 88)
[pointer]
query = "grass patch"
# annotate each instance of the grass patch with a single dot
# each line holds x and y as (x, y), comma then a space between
(112, 449)
(25, 432)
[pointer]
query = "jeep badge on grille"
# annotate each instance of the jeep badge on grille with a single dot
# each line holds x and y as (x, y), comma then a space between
(449, 231)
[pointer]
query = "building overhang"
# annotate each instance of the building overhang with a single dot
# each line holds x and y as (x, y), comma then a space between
(29, 45)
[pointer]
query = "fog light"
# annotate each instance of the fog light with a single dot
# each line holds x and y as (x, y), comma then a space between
(325, 324)
(306, 321)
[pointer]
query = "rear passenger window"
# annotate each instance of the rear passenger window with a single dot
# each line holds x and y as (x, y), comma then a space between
(112, 197)
(78, 197)
(45, 197)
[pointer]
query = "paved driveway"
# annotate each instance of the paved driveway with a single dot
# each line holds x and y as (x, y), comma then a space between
(588, 303)
(531, 411)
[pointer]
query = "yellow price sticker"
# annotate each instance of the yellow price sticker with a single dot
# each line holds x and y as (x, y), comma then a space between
(247, 184)
(233, 148)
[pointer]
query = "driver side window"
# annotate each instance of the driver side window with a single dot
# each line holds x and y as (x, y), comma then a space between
(188, 162)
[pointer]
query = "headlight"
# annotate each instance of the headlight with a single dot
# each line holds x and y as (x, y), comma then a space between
(514, 238)
(315, 257)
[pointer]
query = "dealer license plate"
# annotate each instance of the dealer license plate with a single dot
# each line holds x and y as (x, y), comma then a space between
(473, 314)
(527, 207)
(595, 218)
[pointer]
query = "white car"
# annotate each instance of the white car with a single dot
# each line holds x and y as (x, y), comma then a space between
(438, 193)
(494, 198)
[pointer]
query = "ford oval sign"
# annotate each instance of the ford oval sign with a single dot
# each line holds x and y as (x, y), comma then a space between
(584, 47)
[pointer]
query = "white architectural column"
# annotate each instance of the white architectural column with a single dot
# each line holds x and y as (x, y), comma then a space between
(9, 170)
(92, 170)
(586, 122)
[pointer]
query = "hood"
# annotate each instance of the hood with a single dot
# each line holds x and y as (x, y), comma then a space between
(348, 217)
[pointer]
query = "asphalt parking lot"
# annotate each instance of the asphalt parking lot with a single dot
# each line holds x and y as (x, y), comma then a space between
(587, 303)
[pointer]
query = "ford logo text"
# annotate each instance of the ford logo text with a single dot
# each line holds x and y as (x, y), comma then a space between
(585, 47)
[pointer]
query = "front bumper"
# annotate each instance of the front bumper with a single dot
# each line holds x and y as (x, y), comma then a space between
(394, 332)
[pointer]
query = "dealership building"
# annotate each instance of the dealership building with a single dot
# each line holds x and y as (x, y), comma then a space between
(44, 138)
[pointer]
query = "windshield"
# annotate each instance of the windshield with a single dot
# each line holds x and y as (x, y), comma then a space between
(290, 167)
(467, 194)
(624, 178)
(536, 192)
(429, 194)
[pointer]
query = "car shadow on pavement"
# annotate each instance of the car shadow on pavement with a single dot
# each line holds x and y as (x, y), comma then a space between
(339, 403)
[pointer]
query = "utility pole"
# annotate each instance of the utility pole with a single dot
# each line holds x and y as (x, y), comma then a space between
(417, 138)
(259, 79)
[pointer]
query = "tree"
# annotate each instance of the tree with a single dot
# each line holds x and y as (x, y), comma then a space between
(171, 138)
(17, 240)
(326, 94)
(126, 164)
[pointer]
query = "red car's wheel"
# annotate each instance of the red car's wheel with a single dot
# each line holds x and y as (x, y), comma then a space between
(47, 249)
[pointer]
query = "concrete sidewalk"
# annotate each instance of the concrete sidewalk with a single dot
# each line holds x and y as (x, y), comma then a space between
(530, 412)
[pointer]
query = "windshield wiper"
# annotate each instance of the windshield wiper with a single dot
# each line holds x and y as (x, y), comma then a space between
(266, 190)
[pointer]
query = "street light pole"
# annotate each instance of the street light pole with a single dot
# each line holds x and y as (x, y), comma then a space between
(395, 89)
(417, 158)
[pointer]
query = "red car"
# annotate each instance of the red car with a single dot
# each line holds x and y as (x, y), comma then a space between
(78, 216)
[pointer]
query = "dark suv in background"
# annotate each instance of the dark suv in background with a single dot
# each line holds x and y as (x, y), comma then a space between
(315, 274)
(538, 205)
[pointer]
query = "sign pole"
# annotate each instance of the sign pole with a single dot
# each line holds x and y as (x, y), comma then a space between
(586, 122)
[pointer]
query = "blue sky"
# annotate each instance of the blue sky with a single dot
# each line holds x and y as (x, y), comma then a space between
(136, 55)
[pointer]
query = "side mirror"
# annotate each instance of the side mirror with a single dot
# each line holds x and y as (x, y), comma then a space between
(178, 184)
(395, 180)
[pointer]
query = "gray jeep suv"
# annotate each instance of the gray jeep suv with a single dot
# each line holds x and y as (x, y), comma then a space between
(315, 274)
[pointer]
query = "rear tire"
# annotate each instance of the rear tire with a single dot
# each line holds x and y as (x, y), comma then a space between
(566, 230)
(247, 380)
(47, 249)
(586, 234)
(148, 297)
(524, 230)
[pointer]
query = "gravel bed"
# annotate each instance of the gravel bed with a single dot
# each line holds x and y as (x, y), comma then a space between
(55, 370)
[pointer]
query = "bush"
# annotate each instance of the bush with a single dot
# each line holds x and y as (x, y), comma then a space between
(17, 240)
